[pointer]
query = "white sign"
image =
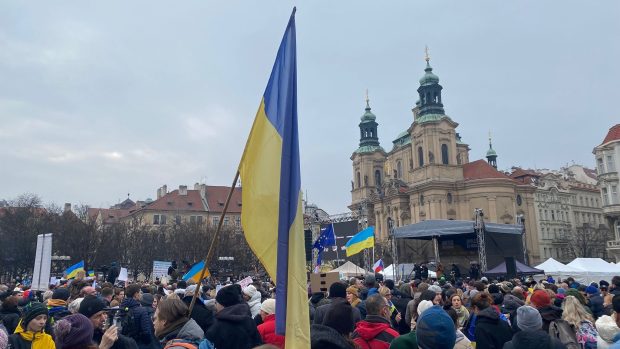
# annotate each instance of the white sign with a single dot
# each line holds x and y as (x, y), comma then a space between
(245, 282)
(122, 276)
(160, 269)
(54, 281)
(42, 263)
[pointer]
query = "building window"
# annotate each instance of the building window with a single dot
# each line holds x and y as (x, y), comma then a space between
(444, 154)
(359, 179)
(611, 166)
(226, 220)
(420, 156)
(159, 219)
(449, 198)
(365, 181)
(377, 178)
(605, 197)
(177, 219)
(614, 194)
(519, 200)
(216, 221)
(238, 221)
(421, 200)
(601, 167)
(399, 169)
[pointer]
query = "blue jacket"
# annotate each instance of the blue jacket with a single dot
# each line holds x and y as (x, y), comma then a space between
(143, 322)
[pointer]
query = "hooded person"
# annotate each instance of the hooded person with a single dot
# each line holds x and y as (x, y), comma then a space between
(541, 300)
(337, 293)
(531, 335)
(253, 297)
(172, 328)
(57, 305)
(74, 332)
(29, 333)
(233, 327)
(375, 331)
(200, 313)
(267, 329)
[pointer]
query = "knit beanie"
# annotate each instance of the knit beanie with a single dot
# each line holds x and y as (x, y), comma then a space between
(61, 293)
(591, 290)
(339, 316)
(338, 289)
(573, 292)
(424, 305)
(528, 319)
(540, 299)
(147, 299)
(32, 311)
(435, 288)
(229, 295)
(561, 291)
(493, 288)
(73, 331)
(91, 305)
(435, 329)
(269, 306)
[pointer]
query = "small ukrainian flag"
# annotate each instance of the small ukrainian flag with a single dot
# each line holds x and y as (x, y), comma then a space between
(91, 273)
(194, 272)
(360, 241)
(72, 271)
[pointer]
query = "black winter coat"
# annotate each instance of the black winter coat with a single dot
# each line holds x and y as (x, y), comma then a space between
(491, 332)
(533, 340)
(10, 319)
(143, 322)
(234, 329)
(596, 305)
(200, 313)
(549, 313)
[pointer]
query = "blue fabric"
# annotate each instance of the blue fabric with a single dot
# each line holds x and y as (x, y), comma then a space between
(326, 239)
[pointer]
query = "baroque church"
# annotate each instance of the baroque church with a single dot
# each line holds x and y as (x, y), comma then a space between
(427, 174)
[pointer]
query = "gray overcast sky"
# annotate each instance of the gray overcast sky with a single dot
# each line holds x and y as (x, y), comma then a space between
(102, 99)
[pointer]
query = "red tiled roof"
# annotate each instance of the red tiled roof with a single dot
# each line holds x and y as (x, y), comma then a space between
(108, 215)
(216, 198)
(480, 169)
(173, 201)
(590, 172)
(613, 134)
(519, 172)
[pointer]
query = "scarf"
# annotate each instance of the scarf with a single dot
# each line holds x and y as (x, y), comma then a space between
(40, 340)
(355, 302)
(171, 328)
(56, 303)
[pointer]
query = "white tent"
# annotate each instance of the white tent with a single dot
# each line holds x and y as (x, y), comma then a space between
(594, 269)
(559, 270)
(405, 271)
(349, 269)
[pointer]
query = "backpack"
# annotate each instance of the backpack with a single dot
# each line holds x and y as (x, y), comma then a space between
(203, 344)
(126, 320)
(565, 333)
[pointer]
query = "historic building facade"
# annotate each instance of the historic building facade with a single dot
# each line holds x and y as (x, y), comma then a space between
(427, 174)
(607, 156)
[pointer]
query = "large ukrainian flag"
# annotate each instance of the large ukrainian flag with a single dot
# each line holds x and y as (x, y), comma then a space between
(271, 214)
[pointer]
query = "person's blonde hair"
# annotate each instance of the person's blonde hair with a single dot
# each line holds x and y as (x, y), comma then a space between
(573, 312)
(384, 290)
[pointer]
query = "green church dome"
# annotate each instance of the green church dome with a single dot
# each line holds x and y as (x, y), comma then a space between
(429, 78)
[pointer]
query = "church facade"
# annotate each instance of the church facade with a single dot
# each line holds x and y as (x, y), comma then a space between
(428, 174)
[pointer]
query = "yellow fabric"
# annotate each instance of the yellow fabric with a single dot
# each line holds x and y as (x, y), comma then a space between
(260, 177)
(56, 303)
(40, 340)
(360, 246)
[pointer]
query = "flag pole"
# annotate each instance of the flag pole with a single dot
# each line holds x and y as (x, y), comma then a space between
(211, 247)
(336, 242)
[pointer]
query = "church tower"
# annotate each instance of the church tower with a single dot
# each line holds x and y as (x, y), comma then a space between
(491, 154)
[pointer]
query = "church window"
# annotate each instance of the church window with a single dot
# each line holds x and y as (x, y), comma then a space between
(399, 170)
(420, 156)
(421, 200)
(365, 181)
(377, 178)
(444, 154)
(358, 180)
(449, 198)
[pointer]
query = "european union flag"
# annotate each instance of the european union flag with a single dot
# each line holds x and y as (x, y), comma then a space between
(326, 239)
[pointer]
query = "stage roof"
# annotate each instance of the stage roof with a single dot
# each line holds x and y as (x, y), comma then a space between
(438, 228)
(522, 269)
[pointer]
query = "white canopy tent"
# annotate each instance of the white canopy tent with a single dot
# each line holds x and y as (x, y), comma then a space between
(559, 270)
(349, 269)
(405, 271)
(594, 269)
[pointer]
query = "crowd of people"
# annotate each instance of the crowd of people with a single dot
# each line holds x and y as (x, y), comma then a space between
(360, 313)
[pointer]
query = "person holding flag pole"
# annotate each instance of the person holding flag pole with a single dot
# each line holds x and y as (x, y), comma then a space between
(271, 216)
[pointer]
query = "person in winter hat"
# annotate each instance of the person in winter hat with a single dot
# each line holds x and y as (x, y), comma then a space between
(595, 301)
(30, 330)
(340, 318)
(375, 332)
(57, 306)
(435, 329)
(252, 297)
(267, 329)
(337, 293)
(531, 334)
(94, 308)
(542, 302)
(74, 332)
(233, 327)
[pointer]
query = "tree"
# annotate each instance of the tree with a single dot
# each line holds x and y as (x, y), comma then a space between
(586, 241)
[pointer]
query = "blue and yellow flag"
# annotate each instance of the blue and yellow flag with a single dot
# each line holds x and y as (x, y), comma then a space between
(194, 272)
(360, 241)
(72, 271)
(91, 273)
(271, 214)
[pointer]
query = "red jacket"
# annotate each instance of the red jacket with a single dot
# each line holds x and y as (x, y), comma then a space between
(267, 332)
(374, 333)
